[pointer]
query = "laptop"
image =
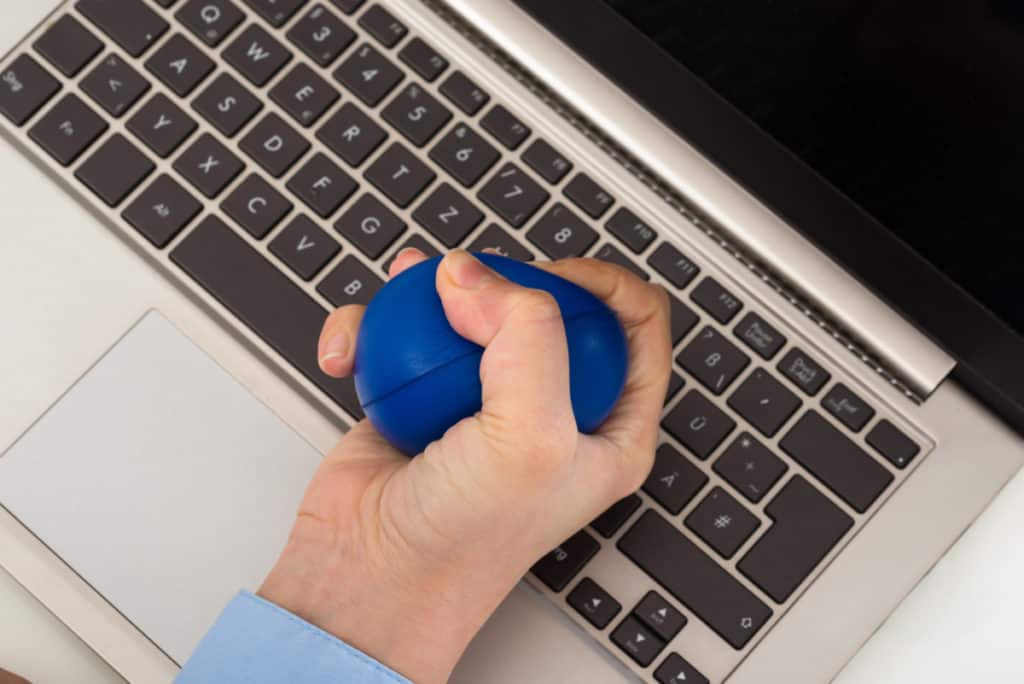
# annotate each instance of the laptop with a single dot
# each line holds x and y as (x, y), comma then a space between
(826, 190)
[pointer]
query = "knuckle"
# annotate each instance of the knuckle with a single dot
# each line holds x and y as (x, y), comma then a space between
(537, 305)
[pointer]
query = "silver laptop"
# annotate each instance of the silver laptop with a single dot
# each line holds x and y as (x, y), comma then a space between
(189, 186)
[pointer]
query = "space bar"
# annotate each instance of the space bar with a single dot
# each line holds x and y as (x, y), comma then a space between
(284, 316)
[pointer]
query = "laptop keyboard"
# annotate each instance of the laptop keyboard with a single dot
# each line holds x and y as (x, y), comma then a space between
(329, 137)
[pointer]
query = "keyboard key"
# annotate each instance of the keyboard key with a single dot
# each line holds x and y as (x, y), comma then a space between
(464, 94)
(547, 161)
(630, 230)
(68, 45)
(673, 481)
(400, 175)
(304, 95)
(417, 115)
(370, 226)
(415, 241)
(675, 670)
(423, 59)
(835, 460)
(670, 262)
(257, 55)
(637, 641)
(256, 206)
(698, 424)
(321, 35)
(180, 65)
(559, 567)
(594, 603)
(716, 300)
(348, 6)
(750, 467)
(162, 211)
(683, 319)
(304, 247)
(211, 21)
(609, 522)
(350, 283)
(675, 383)
(383, 26)
(895, 446)
(129, 23)
(806, 526)
(161, 125)
(114, 85)
(274, 145)
(208, 165)
(322, 185)
(351, 135)
(660, 616)
(24, 88)
(369, 74)
(276, 12)
(227, 105)
(68, 129)
(851, 410)
(588, 196)
(166, 3)
(761, 337)
(496, 239)
(804, 372)
(448, 216)
(613, 255)
(561, 234)
(514, 196)
(503, 125)
(722, 522)
(115, 170)
(764, 402)
(713, 360)
(465, 155)
(694, 579)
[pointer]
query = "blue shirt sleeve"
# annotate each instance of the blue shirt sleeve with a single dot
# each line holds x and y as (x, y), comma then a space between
(257, 642)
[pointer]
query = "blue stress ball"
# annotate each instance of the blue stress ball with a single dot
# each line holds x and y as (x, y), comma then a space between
(416, 377)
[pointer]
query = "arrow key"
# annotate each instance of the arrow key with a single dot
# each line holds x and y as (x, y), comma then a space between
(660, 616)
(675, 670)
(637, 641)
(115, 85)
(593, 603)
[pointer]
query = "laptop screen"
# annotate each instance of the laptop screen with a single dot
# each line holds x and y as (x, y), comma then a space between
(913, 109)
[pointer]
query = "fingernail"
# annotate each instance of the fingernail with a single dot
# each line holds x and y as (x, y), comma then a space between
(466, 271)
(334, 351)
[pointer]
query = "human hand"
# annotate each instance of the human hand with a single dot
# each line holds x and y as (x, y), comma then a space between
(405, 559)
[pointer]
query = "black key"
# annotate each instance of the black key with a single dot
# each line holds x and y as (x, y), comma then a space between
(835, 460)
(588, 196)
(68, 45)
(257, 55)
(304, 247)
(683, 319)
(348, 6)
(693, 578)
(166, 3)
(670, 262)
(804, 372)
(351, 135)
(464, 94)
(180, 65)
(370, 226)
(561, 234)
(851, 410)
(304, 95)
(210, 20)
(895, 446)
(321, 35)
(383, 26)
(115, 170)
(750, 467)
(547, 161)
(276, 12)
(559, 567)
(424, 60)
(448, 216)
(24, 88)
(628, 228)
(698, 424)
(227, 105)
(713, 360)
(764, 402)
(322, 185)
(161, 125)
(673, 481)
(400, 175)
(465, 155)
(503, 125)
(761, 337)
(609, 522)
(637, 641)
(350, 283)
(675, 670)
(613, 255)
(274, 145)
(369, 74)
(415, 241)
(208, 165)
(68, 129)
(129, 23)
(660, 616)
(494, 238)
(162, 210)
(722, 522)
(114, 85)
(716, 300)
(417, 115)
(675, 383)
(256, 206)
(514, 196)
(806, 527)
(594, 603)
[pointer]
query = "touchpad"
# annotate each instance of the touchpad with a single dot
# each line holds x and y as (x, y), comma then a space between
(162, 482)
